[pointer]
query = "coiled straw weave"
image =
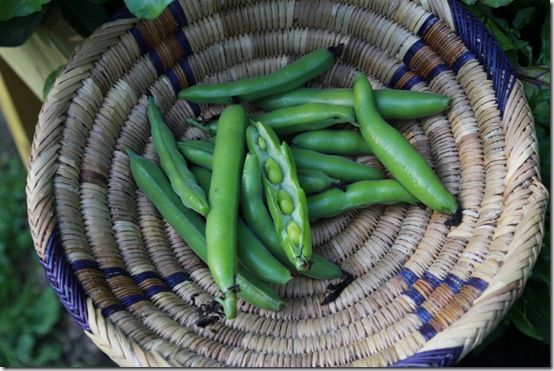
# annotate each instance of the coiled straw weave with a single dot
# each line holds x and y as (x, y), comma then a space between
(423, 293)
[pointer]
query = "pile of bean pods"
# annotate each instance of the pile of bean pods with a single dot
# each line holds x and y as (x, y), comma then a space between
(243, 198)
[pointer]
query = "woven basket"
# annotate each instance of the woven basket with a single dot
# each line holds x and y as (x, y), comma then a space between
(423, 293)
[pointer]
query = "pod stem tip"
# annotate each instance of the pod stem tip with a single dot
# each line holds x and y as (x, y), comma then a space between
(455, 219)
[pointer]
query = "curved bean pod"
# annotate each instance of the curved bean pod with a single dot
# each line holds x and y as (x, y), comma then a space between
(403, 161)
(333, 142)
(314, 181)
(360, 194)
(290, 120)
(173, 163)
(198, 152)
(335, 166)
(289, 77)
(310, 116)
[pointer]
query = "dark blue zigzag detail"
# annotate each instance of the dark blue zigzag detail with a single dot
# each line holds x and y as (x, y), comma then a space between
(63, 281)
(433, 358)
(478, 39)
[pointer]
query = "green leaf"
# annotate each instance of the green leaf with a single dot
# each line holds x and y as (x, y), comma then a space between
(538, 311)
(25, 344)
(544, 57)
(18, 8)
(538, 75)
(519, 318)
(523, 17)
(496, 3)
(147, 9)
(531, 312)
(45, 312)
(469, 2)
(83, 16)
(504, 41)
(47, 353)
(16, 31)
(49, 82)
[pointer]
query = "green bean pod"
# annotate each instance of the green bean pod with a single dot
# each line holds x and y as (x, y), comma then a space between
(191, 228)
(402, 160)
(198, 152)
(314, 181)
(251, 252)
(221, 222)
(289, 77)
(257, 217)
(311, 116)
(356, 195)
(336, 167)
(285, 198)
(333, 142)
(173, 163)
(290, 120)
(391, 103)
(209, 127)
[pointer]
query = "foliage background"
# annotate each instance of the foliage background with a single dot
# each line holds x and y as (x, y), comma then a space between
(34, 329)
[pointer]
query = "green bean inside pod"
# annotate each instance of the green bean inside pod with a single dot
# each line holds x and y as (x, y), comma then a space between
(285, 198)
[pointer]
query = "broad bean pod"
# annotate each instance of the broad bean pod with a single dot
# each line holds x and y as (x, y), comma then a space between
(314, 181)
(337, 167)
(199, 152)
(224, 193)
(285, 198)
(174, 164)
(333, 142)
(290, 120)
(258, 218)
(390, 103)
(402, 160)
(356, 195)
(289, 77)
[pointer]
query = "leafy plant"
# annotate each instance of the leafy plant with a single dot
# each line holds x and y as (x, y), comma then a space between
(28, 309)
(18, 8)
(20, 18)
(148, 9)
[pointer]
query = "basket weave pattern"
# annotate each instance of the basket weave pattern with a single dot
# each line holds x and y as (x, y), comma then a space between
(423, 294)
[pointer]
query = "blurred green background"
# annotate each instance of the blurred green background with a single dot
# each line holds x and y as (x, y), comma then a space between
(36, 331)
